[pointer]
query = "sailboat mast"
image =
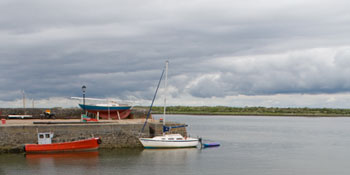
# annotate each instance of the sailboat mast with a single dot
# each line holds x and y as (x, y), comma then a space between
(165, 89)
(150, 108)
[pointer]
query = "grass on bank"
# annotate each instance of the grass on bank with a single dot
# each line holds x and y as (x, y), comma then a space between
(224, 110)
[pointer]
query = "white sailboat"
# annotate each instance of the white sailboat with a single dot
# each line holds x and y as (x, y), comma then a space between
(168, 140)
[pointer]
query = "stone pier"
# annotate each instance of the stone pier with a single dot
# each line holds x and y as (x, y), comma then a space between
(114, 134)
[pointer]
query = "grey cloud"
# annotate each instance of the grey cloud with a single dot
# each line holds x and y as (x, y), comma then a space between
(118, 48)
(313, 71)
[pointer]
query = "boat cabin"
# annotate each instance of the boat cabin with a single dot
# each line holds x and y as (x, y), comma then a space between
(170, 137)
(45, 138)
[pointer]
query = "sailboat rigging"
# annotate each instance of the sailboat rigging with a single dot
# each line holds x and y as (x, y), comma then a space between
(167, 140)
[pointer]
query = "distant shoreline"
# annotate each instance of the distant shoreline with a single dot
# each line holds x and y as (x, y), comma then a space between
(259, 115)
(251, 111)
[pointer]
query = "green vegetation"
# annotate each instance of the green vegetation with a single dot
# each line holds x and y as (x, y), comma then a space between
(223, 110)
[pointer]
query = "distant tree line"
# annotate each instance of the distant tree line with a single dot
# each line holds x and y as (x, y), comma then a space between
(224, 110)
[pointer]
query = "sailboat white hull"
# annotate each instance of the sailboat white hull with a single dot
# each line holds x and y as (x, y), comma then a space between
(169, 141)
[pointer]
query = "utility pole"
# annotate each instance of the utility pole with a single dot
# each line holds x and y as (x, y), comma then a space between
(83, 88)
(33, 106)
(24, 102)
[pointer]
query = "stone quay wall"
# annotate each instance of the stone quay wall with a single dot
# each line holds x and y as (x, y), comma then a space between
(113, 135)
(62, 113)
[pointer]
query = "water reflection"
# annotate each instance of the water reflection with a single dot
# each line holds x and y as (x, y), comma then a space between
(72, 157)
(75, 161)
(172, 161)
(161, 155)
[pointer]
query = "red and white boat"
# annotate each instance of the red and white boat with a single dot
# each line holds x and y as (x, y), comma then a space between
(45, 145)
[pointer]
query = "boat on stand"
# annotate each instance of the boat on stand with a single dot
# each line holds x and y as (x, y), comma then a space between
(167, 140)
(110, 109)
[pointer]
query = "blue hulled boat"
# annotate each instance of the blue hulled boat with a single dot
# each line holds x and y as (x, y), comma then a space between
(108, 111)
(104, 107)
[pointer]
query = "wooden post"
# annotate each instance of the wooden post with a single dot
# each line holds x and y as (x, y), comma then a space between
(118, 115)
(109, 114)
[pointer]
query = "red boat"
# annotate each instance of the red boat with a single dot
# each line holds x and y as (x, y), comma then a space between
(45, 145)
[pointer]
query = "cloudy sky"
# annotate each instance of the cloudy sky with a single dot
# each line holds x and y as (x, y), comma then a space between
(290, 53)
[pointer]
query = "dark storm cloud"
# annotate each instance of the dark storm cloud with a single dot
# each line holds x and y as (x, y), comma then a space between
(215, 48)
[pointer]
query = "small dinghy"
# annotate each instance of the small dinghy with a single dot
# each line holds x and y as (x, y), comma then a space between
(206, 145)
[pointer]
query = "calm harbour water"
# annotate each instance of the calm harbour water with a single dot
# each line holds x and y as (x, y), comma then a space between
(249, 145)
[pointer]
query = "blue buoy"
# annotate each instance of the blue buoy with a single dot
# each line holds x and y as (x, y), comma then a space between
(205, 145)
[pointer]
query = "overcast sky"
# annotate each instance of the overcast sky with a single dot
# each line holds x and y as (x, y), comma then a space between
(290, 53)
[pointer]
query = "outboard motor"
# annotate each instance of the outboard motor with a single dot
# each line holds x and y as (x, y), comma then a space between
(99, 141)
(200, 141)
